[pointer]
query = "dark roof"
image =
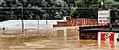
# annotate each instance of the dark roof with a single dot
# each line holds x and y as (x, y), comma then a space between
(99, 29)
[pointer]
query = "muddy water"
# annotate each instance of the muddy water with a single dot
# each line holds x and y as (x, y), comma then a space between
(53, 42)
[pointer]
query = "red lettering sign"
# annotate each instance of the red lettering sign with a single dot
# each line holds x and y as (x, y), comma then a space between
(106, 38)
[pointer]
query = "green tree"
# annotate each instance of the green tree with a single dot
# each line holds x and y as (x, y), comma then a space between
(85, 8)
(89, 8)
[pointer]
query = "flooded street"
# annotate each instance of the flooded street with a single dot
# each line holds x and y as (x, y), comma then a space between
(54, 42)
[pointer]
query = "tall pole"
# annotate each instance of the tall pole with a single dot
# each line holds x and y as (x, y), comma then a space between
(38, 24)
(110, 28)
(22, 21)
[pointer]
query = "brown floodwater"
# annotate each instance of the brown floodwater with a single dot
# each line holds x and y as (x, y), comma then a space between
(55, 41)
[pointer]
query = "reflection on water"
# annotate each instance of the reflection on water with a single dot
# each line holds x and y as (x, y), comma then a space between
(55, 42)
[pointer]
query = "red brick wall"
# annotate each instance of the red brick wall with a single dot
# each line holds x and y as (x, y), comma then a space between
(78, 22)
(83, 21)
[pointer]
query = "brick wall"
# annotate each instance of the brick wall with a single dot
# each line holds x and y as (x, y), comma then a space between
(78, 22)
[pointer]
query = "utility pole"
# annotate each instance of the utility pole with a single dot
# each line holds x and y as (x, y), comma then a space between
(38, 23)
(22, 20)
(110, 24)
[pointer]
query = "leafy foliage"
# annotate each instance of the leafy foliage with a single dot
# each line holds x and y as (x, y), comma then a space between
(33, 9)
(53, 9)
(89, 8)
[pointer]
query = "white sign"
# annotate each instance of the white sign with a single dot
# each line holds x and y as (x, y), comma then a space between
(103, 17)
